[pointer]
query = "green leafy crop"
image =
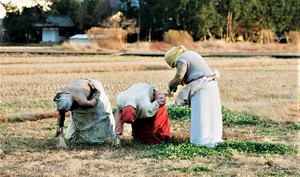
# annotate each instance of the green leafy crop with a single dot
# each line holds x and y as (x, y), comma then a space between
(232, 118)
(179, 113)
(229, 117)
(187, 151)
(257, 147)
(184, 151)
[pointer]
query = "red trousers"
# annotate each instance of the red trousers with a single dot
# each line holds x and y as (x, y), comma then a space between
(152, 130)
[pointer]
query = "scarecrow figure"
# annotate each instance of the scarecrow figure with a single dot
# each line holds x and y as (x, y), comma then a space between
(91, 117)
(201, 93)
(143, 106)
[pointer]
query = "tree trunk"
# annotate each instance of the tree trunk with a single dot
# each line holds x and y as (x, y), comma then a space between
(229, 27)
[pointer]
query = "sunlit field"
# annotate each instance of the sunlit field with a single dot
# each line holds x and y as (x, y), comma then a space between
(264, 88)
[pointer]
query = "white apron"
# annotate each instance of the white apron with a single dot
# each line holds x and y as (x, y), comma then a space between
(93, 125)
(206, 115)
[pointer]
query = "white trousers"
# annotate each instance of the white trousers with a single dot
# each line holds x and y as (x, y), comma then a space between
(206, 116)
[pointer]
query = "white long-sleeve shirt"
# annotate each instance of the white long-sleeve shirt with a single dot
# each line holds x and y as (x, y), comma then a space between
(139, 95)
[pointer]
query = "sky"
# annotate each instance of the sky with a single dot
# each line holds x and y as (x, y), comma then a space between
(20, 4)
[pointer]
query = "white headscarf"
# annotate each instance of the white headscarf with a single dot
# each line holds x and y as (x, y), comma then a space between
(172, 54)
(63, 102)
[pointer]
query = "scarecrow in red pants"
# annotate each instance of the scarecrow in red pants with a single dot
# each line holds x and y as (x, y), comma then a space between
(143, 106)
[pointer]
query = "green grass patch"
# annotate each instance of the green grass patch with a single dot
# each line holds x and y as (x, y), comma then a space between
(271, 131)
(184, 151)
(187, 151)
(52, 127)
(229, 117)
(293, 125)
(277, 172)
(234, 118)
(196, 169)
(259, 148)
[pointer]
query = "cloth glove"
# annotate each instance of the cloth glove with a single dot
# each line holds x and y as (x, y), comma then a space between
(117, 141)
(59, 130)
(60, 135)
(160, 98)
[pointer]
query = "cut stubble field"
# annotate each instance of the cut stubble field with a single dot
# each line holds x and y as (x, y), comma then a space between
(267, 88)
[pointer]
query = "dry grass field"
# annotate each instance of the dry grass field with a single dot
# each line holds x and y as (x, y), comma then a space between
(265, 87)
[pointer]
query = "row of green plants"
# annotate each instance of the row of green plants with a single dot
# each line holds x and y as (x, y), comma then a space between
(231, 118)
(266, 127)
(178, 149)
(187, 151)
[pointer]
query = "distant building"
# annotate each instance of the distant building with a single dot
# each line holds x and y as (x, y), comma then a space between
(56, 29)
(80, 40)
(88, 39)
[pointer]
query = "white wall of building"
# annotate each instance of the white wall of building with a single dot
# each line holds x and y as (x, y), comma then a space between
(51, 35)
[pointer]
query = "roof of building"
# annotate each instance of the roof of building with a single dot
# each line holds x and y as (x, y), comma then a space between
(60, 20)
(80, 36)
(56, 21)
(90, 36)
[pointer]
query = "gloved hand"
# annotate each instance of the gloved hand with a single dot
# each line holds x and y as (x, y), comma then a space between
(117, 141)
(59, 130)
(61, 141)
(172, 89)
(160, 98)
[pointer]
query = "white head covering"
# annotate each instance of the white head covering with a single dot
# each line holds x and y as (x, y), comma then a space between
(63, 102)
